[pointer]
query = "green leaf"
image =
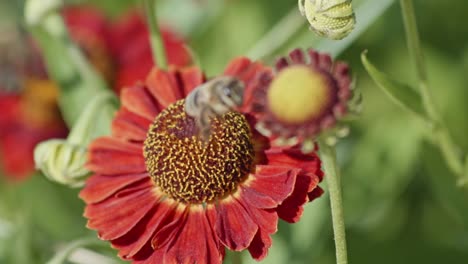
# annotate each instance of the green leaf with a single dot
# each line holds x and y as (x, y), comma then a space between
(400, 93)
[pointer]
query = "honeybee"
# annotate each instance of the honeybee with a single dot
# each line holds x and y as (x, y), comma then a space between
(213, 98)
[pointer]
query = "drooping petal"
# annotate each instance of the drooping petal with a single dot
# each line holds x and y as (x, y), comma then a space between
(309, 163)
(292, 208)
(258, 249)
(196, 242)
(277, 182)
(134, 241)
(115, 217)
(100, 187)
(234, 226)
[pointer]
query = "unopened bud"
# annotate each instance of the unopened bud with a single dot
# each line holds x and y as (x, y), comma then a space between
(62, 162)
(333, 19)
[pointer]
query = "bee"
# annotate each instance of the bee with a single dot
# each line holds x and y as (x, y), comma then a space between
(212, 99)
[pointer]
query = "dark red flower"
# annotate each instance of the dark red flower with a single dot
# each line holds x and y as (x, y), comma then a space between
(160, 194)
(307, 96)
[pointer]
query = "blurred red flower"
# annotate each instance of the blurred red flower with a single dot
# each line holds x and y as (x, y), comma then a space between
(119, 50)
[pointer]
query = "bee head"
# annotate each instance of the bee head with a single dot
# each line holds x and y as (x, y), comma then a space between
(231, 90)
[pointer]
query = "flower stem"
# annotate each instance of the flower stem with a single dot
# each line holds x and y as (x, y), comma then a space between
(277, 36)
(157, 44)
(440, 132)
(328, 156)
(236, 258)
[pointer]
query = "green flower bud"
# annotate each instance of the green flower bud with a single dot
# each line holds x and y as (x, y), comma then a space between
(62, 162)
(333, 19)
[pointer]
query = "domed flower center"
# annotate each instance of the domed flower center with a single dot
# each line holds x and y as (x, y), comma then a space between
(299, 94)
(190, 170)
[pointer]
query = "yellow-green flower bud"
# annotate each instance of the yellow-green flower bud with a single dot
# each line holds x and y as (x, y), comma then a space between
(37, 10)
(333, 19)
(62, 162)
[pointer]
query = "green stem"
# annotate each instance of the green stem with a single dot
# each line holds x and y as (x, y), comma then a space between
(157, 44)
(236, 258)
(440, 132)
(328, 156)
(277, 36)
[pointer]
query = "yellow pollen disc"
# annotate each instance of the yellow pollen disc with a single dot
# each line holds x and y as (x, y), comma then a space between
(298, 94)
(190, 170)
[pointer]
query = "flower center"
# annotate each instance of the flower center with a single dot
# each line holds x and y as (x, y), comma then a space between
(192, 171)
(299, 94)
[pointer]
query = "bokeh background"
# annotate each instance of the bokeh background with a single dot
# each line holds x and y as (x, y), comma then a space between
(402, 204)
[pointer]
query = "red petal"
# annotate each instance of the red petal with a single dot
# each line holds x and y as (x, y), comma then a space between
(164, 87)
(169, 232)
(237, 66)
(134, 241)
(266, 219)
(108, 159)
(316, 193)
(291, 209)
(191, 78)
(234, 227)
(129, 126)
(139, 101)
(112, 143)
(116, 216)
(260, 244)
(276, 182)
(196, 242)
(100, 187)
(309, 163)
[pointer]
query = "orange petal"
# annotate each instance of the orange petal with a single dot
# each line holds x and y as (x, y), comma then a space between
(129, 126)
(116, 216)
(106, 159)
(139, 101)
(191, 78)
(164, 87)
(100, 187)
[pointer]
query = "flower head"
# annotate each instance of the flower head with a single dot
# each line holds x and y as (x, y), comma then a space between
(308, 95)
(160, 194)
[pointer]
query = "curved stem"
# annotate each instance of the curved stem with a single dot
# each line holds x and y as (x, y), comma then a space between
(440, 132)
(328, 156)
(277, 36)
(157, 44)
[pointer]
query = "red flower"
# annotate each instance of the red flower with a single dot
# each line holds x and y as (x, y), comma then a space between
(161, 195)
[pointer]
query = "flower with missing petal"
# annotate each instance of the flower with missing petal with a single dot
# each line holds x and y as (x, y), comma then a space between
(309, 95)
(160, 194)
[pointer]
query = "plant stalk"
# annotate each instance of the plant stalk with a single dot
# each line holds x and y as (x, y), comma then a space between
(328, 156)
(440, 132)
(157, 43)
